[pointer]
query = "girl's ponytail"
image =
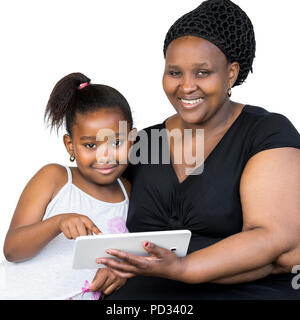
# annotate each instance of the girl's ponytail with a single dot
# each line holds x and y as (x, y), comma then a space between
(62, 98)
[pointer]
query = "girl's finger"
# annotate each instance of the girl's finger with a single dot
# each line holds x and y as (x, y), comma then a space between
(111, 288)
(81, 229)
(67, 232)
(108, 283)
(123, 275)
(97, 283)
(73, 231)
(96, 230)
(91, 226)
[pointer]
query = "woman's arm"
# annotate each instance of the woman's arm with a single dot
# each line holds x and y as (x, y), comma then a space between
(270, 200)
(281, 194)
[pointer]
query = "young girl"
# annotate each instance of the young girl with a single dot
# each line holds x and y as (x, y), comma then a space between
(61, 203)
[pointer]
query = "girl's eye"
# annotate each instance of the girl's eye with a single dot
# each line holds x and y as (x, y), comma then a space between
(90, 145)
(116, 143)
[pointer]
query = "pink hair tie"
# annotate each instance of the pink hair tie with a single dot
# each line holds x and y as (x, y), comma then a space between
(82, 85)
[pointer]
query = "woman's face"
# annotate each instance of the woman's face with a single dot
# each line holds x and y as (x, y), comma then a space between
(196, 78)
(99, 145)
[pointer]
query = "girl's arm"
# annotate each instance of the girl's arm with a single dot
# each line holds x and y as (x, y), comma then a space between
(27, 233)
(269, 241)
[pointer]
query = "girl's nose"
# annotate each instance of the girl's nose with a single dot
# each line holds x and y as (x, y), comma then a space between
(103, 154)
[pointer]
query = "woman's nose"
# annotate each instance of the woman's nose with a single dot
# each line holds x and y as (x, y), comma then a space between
(188, 84)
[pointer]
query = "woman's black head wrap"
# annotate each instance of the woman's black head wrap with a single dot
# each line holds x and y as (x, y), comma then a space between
(224, 24)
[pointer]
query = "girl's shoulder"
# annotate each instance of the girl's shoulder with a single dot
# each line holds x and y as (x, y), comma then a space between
(54, 171)
(38, 193)
(55, 174)
(51, 177)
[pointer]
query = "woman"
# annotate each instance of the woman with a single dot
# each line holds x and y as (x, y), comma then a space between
(243, 209)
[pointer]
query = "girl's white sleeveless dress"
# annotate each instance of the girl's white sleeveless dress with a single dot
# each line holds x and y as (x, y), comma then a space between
(49, 274)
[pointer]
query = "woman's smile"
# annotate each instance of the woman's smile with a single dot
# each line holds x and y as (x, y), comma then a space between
(190, 103)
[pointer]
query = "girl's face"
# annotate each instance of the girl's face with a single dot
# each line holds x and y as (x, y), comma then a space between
(196, 78)
(99, 145)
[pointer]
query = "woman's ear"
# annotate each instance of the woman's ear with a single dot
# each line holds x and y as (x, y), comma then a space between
(234, 69)
(69, 145)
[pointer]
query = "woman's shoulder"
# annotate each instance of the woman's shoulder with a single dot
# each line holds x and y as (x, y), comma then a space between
(255, 110)
(267, 130)
(263, 116)
(265, 119)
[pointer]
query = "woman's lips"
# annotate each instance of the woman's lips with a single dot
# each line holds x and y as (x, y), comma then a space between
(106, 169)
(190, 103)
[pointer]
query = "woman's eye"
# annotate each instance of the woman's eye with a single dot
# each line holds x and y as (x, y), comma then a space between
(202, 74)
(174, 73)
(90, 145)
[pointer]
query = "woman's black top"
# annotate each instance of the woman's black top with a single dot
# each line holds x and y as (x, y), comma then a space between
(208, 204)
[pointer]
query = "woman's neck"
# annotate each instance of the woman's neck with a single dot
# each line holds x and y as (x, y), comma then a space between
(218, 122)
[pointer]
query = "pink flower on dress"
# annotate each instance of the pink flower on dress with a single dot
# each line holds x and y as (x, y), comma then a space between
(117, 225)
(85, 289)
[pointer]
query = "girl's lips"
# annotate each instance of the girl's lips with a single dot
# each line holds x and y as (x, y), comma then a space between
(106, 170)
(190, 103)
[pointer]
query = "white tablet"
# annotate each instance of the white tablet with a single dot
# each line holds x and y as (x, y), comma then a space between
(88, 248)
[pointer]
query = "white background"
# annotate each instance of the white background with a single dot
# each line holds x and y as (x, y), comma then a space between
(118, 43)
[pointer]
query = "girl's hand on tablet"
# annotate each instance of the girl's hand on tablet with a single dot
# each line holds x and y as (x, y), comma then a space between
(161, 263)
(106, 281)
(74, 225)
